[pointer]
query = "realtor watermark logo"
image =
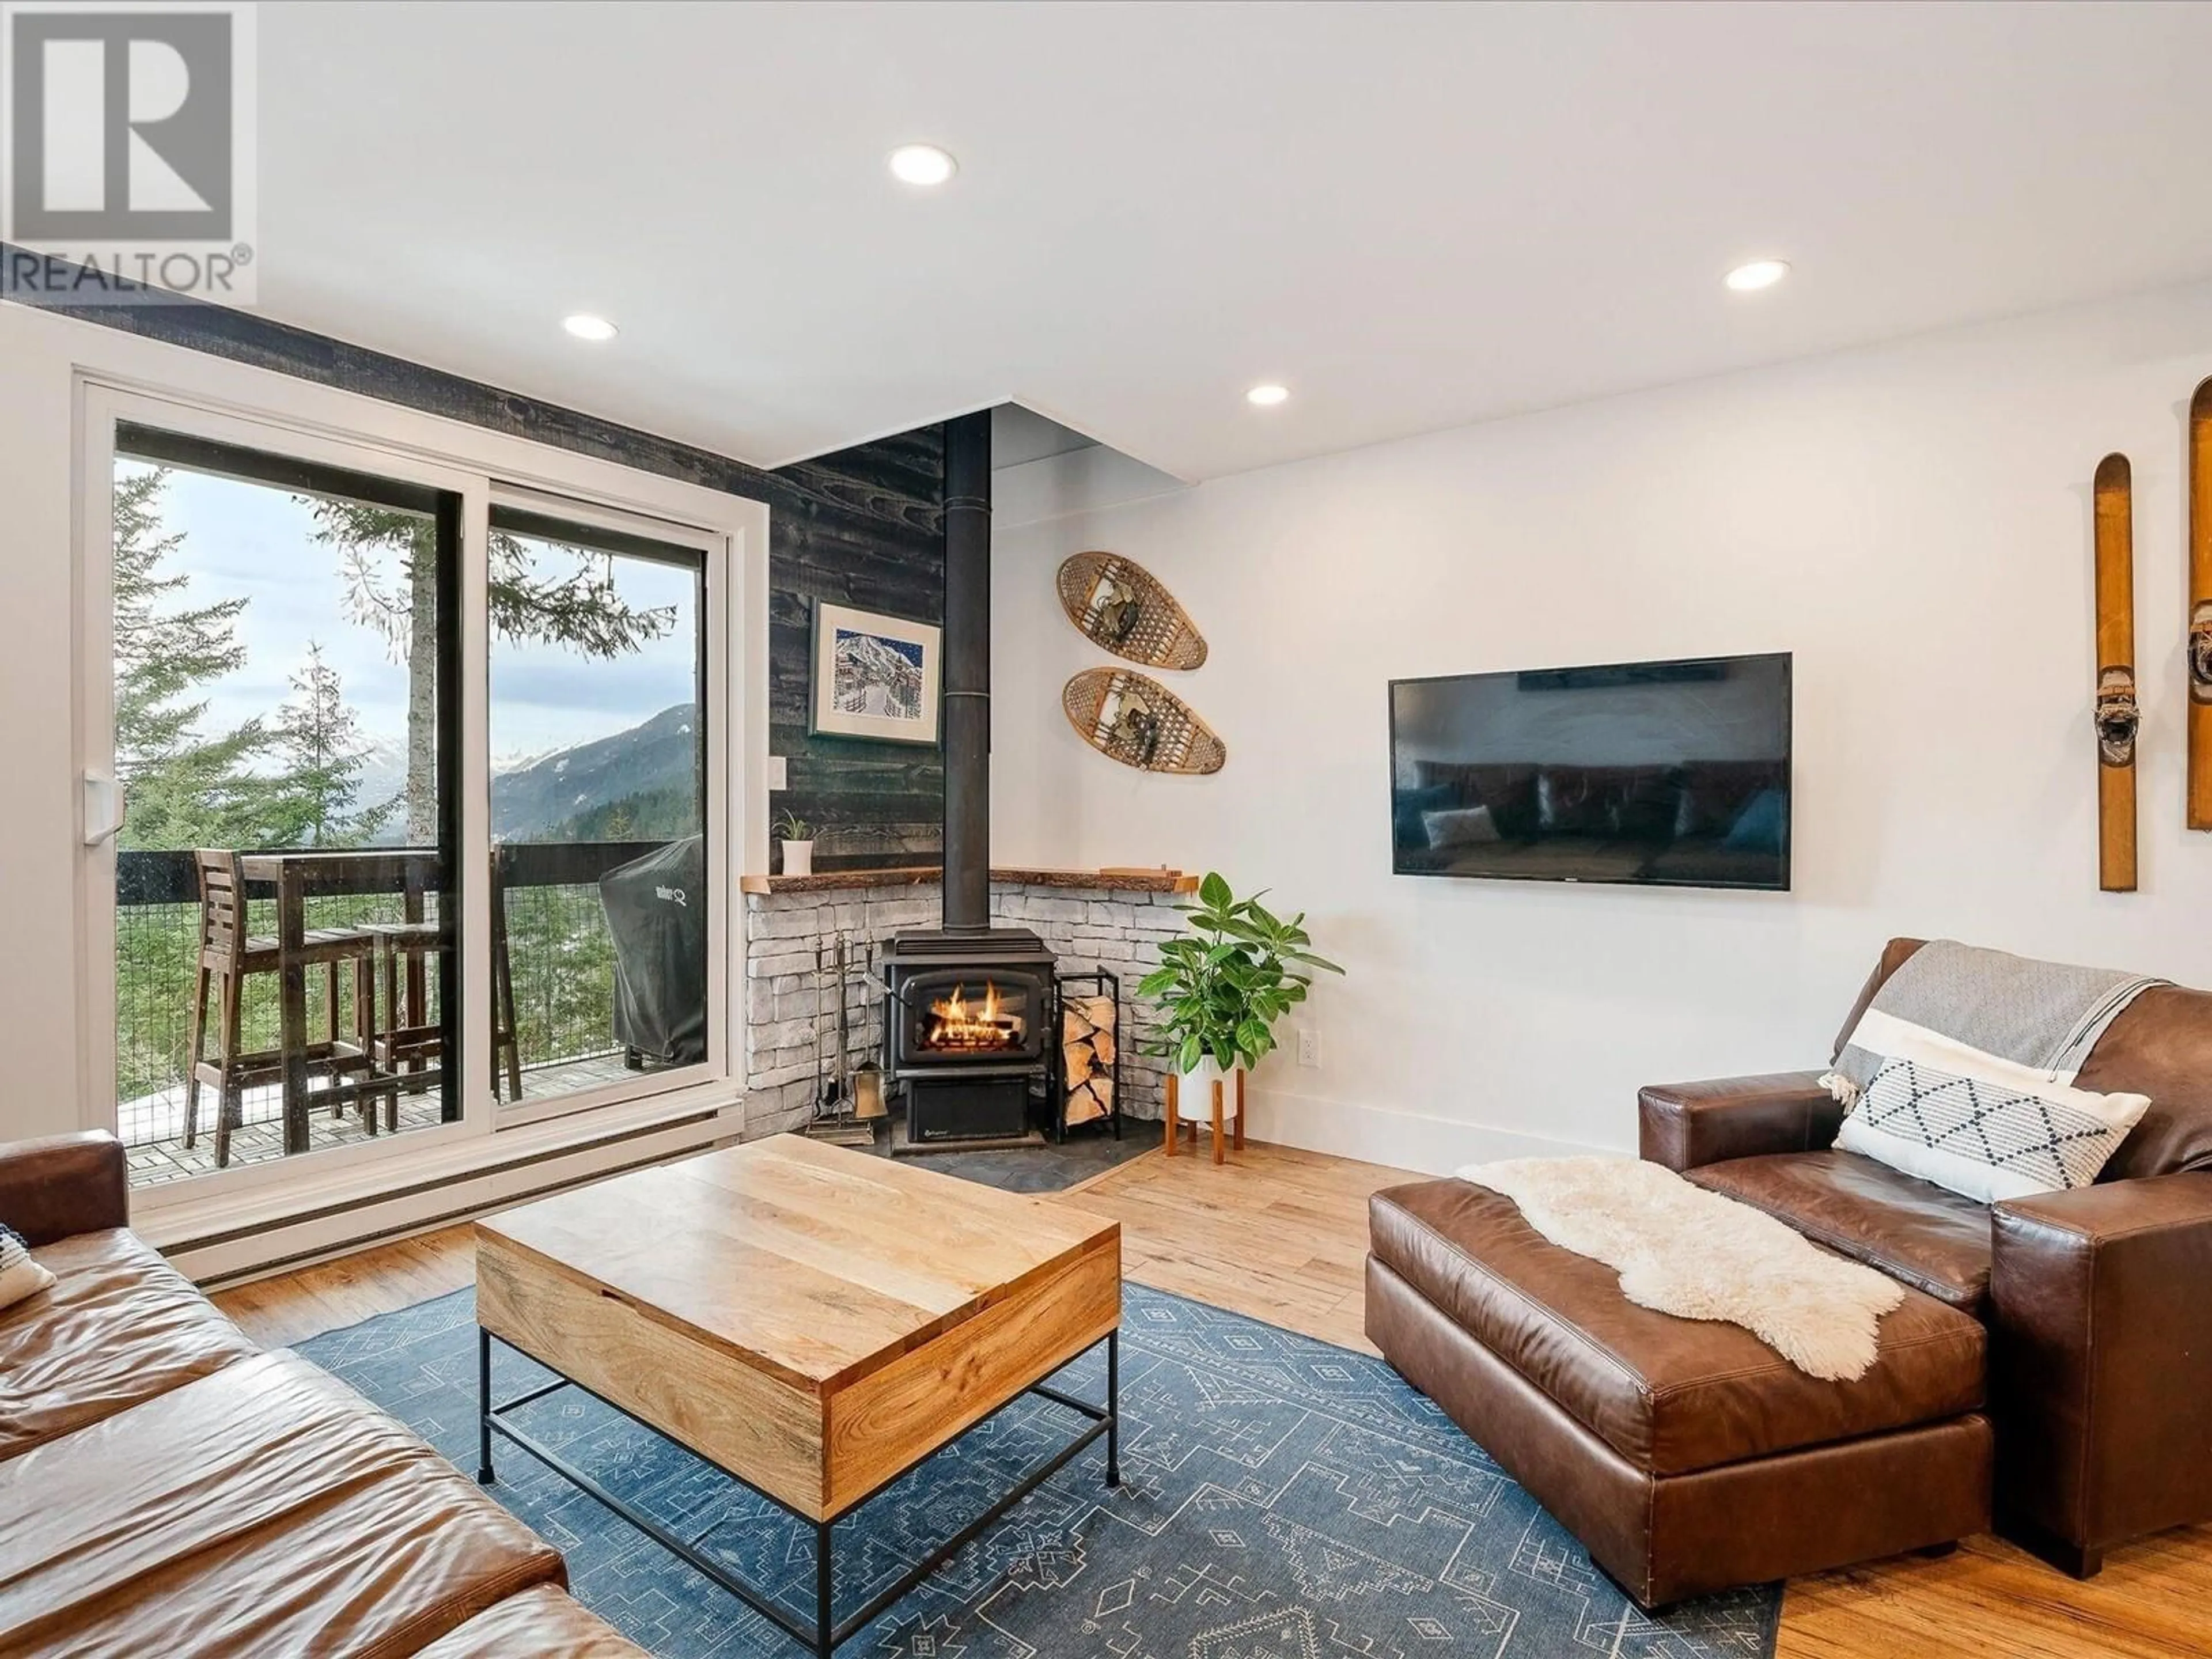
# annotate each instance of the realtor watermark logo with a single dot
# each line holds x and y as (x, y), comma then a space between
(128, 176)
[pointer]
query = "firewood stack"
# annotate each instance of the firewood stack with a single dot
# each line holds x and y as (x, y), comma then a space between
(1086, 1048)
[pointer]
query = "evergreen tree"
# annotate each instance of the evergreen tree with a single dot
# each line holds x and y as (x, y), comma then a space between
(185, 790)
(392, 576)
(311, 804)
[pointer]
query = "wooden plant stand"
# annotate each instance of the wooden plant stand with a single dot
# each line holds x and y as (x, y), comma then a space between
(1175, 1120)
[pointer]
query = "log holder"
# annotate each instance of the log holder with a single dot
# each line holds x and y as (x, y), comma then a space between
(1109, 985)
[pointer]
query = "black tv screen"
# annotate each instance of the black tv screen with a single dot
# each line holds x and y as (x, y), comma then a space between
(1673, 773)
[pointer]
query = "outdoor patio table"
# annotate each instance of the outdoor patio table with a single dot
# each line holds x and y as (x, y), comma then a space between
(411, 871)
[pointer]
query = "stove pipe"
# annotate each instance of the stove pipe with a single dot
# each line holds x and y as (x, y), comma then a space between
(967, 686)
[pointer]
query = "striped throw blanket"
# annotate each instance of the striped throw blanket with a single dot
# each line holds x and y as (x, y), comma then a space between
(2044, 1016)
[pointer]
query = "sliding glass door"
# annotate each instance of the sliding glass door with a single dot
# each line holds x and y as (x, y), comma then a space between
(404, 800)
(284, 741)
(601, 887)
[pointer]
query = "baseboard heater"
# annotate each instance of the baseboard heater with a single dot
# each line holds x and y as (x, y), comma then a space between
(400, 1230)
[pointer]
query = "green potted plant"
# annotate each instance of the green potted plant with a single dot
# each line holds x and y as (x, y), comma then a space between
(1221, 988)
(798, 837)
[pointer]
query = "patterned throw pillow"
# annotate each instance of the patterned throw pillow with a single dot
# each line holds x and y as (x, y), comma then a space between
(20, 1276)
(1983, 1126)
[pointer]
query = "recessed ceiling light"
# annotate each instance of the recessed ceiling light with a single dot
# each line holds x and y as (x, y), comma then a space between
(1267, 396)
(923, 164)
(1759, 274)
(584, 326)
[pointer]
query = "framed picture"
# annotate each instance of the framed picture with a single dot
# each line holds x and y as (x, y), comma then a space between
(874, 676)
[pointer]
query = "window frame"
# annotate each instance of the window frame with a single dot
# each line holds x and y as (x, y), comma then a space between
(324, 426)
(713, 696)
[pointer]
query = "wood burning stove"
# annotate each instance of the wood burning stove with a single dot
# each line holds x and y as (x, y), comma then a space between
(967, 1007)
(966, 1023)
(962, 1014)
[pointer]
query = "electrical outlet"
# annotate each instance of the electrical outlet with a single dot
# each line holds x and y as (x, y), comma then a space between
(1309, 1046)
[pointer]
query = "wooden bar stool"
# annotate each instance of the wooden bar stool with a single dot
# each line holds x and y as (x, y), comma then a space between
(227, 956)
(405, 1040)
(506, 1038)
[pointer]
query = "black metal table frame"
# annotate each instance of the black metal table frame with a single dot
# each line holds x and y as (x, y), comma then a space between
(824, 1638)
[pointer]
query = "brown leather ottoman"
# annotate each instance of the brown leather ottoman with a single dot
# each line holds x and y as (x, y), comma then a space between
(1687, 1455)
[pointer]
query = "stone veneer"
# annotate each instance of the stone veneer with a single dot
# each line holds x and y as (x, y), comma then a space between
(1115, 927)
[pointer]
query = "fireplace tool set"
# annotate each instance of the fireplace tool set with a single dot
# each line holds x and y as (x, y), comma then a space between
(844, 1094)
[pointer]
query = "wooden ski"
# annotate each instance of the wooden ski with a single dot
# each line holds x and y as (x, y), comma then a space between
(2200, 608)
(2115, 709)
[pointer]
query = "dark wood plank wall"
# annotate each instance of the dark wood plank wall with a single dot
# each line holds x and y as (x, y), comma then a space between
(863, 527)
(867, 529)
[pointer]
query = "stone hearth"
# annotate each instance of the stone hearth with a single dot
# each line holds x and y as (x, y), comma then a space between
(1113, 919)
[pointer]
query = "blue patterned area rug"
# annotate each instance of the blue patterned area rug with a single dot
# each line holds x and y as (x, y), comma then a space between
(1281, 1499)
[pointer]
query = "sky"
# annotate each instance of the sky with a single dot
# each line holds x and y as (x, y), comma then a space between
(251, 539)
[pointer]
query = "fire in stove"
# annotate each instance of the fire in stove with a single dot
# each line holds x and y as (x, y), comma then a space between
(982, 1027)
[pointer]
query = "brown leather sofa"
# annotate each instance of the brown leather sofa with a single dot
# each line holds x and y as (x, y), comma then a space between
(167, 1488)
(1687, 1457)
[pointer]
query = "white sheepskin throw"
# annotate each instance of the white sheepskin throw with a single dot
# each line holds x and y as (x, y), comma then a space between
(1685, 1251)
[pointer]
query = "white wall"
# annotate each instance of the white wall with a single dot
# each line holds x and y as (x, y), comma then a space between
(1911, 521)
(39, 970)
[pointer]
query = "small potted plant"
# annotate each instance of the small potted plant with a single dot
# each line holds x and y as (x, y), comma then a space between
(1221, 988)
(798, 837)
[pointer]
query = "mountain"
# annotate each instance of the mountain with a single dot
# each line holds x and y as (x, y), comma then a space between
(564, 792)
(651, 814)
(874, 676)
(383, 777)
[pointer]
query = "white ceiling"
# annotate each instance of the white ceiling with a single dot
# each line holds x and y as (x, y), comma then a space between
(1415, 216)
(1020, 435)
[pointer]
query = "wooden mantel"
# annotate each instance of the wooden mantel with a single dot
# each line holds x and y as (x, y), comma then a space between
(1120, 879)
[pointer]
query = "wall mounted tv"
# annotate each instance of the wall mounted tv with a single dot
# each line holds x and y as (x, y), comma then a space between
(1666, 774)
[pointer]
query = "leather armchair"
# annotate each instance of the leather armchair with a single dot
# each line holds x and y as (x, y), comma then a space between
(2101, 1356)
(64, 1184)
(2100, 1363)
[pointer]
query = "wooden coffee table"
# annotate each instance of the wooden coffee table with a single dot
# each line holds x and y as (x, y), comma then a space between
(813, 1321)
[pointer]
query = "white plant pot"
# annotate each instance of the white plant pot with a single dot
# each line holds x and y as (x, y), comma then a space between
(799, 858)
(1194, 1092)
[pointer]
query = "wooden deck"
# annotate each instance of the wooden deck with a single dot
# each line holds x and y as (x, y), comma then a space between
(153, 1129)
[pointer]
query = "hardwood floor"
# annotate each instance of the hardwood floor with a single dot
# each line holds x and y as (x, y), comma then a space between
(1276, 1233)
(295, 1306)
(1280, 1235)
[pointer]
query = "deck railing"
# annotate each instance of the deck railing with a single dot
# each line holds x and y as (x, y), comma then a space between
(558, 949)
